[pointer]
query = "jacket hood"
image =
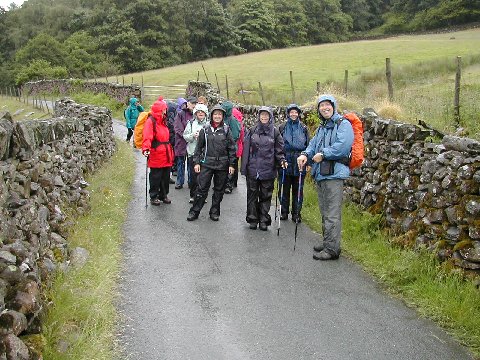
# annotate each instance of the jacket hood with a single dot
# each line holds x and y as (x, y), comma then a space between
(267, 109)
(133, 101)
(293, 106)
(217, 107)
(180, 102)
(159, 109)
(237, 114)
(228, 107)
(201, 107)
(332, 100)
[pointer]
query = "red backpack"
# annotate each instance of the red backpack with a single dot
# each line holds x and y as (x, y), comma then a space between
(357, 155)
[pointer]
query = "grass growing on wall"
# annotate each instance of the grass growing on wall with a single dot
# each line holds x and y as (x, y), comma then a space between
(416, 277)
(100, 100)
(81, 323)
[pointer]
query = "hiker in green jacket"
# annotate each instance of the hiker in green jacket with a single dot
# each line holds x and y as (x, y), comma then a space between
(131, 114)
(234, 126)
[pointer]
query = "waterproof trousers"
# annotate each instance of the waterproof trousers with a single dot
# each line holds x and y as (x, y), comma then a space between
(159, 179)
(204, 180)
(259, 198)
(129, 134)
(233, 179)
(193, 184)
(290, 186)
(330, 197)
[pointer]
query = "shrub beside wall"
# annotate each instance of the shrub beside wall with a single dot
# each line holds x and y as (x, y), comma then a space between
(42, 167)
(428, 192)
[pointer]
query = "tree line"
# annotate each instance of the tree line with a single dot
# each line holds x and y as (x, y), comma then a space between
(45, 39)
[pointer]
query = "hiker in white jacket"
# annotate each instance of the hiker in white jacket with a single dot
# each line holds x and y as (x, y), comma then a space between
(200, 116)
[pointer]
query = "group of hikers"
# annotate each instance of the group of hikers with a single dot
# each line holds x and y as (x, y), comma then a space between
(210, 142)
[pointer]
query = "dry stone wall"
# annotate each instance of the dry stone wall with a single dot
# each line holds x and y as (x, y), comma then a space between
(426, 188)
(42, 167)
(64, 87)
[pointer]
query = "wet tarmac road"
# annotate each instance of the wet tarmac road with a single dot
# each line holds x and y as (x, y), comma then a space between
(218, 290)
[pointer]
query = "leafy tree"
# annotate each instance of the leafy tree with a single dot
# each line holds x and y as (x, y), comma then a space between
(83, 54)
(326, 21)
(42, 47)
(290, 24)
(364, 13)
(38, 70)
(255, 22)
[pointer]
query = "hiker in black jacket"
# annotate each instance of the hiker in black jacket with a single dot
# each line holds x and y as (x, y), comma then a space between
(214, 157)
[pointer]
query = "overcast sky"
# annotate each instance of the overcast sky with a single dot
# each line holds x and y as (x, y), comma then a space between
(6, 3)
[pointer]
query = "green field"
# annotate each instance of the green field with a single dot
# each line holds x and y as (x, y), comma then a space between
(423, 68)
(21, 110)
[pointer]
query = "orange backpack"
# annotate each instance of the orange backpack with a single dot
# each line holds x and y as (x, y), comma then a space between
(357, 154)
(138, 131)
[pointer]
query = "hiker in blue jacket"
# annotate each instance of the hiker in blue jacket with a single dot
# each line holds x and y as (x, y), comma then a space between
(329, 151)
(295, 139)
(131, 115)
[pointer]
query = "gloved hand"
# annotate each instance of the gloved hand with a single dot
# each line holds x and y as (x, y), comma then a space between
(284, 164)
(146, 153)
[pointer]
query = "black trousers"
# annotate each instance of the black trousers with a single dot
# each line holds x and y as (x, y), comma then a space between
(259, 198)
(233, 179)
(290, 184)
(204, 180)
(193, 184)
(159, 182)
(129, 134)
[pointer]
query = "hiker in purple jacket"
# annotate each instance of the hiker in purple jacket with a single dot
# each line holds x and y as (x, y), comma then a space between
(184, 115)
(262, 154)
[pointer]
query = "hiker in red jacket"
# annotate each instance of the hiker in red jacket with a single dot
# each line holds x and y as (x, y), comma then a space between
(158, 150)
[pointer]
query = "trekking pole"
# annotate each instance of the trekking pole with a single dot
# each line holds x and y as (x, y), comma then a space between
(280, 191)
(146, 184)
(299, 197)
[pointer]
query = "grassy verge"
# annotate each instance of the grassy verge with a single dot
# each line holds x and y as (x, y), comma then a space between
(416, 277)
(81, 323)
(25, 111)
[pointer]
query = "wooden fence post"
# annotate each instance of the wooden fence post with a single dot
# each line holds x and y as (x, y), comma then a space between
(218, 86)
(123, 81)
(206, 76)
(261, 93)
(318, 87)
(293, 87)
(346, 83)
(456, 100)
(198, 75)
(243, 93)
(388, 73)
(226, 84)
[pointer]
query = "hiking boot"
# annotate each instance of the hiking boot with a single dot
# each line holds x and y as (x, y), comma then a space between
(296, 218)
(172, 181)
(263, 226)
(284, 217)
(318, 248)
(166, 200)
(214, 217)
(324, 255)
(190, 201)
(253, 226)
(178, 186)
(155, 202)
(192, 216)
(228, 191)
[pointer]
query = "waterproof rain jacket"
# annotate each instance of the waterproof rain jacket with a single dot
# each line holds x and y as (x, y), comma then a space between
(333, 138)
(193, 126)
(239, 116)
(262, 149)
(181, 120)
(131, 113)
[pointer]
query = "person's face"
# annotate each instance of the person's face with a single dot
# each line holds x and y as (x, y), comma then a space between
(326, 109)
(200, 115)
(190, 105)
(264, 117)
(293, 114)
(217, 116)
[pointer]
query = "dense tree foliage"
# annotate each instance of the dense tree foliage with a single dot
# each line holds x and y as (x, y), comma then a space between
(87, 38)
